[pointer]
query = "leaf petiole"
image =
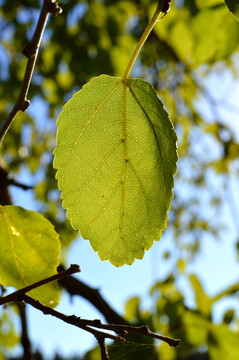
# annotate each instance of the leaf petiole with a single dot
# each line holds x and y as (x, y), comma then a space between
(147, 31)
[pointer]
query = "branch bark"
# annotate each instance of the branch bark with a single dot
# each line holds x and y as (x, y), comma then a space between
(95, 326)
(31, 52)
(103, 348)
(25, 341)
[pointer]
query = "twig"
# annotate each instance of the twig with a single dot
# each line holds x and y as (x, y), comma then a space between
(20, 185)
(25, 341)
(31, 51)
(116, 322)
(142, 330)
(93, 326)
(72, 319)
(19, 293)
(77, 287)
(103, 348)
(5, 181)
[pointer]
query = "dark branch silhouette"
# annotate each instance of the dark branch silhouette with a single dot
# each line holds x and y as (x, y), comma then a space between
(19, 293)
(93, 326)
(31, 52)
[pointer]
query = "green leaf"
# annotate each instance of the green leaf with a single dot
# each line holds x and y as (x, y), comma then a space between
(116, 157)
(233, 6)
(223, 343)
(132, 309)
(202, 300)
(212, 29)
(30, 250)
(231, 290)
(8, 336)
(194, 330)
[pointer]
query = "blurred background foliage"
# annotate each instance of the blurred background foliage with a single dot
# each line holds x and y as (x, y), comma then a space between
(196, 42)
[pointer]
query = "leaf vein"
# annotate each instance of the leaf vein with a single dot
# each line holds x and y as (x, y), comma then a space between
(156, 138)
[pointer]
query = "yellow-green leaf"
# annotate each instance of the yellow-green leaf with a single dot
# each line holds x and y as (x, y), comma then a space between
(223, 343)
(202, 300)
(30, 250)
(116, 157)
(8, 336)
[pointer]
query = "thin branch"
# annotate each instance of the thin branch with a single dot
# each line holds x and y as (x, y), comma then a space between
(93, 326)
(142, 330)
(5, 181)
(31, 51)
(103, 348)
(20, 185)
(77, 287)
(19, 293)
(72, 319)
(25, 341)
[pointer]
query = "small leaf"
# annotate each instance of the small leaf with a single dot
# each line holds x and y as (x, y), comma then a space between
(30, 250)
(223, 343)
(8, 336)
(132, 309)
(229, 316)
(202, 300)
(194, 330)
(116, 157)
(233, 6)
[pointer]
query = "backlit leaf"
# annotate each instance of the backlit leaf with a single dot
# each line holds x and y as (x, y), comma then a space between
(30, 250)
(223, 343)
(116, 157)
(202, 300)
(8, 336)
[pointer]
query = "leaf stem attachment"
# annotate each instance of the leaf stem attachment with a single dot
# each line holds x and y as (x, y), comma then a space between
(147, 31)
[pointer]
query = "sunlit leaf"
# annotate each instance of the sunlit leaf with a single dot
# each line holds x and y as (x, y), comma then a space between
(132, 309)
(8, 336)
(194, 330)
(210, 30)
(202, 300)
(116, 157)
(30, 250)
(223, 343)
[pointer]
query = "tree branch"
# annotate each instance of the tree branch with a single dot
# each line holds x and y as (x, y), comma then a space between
(5, 181)
(19, 293)
(72, 319)
(142, 330)
(77, 287)
(31, 51)
(93, 326)
(25, 341)
(103, 348)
